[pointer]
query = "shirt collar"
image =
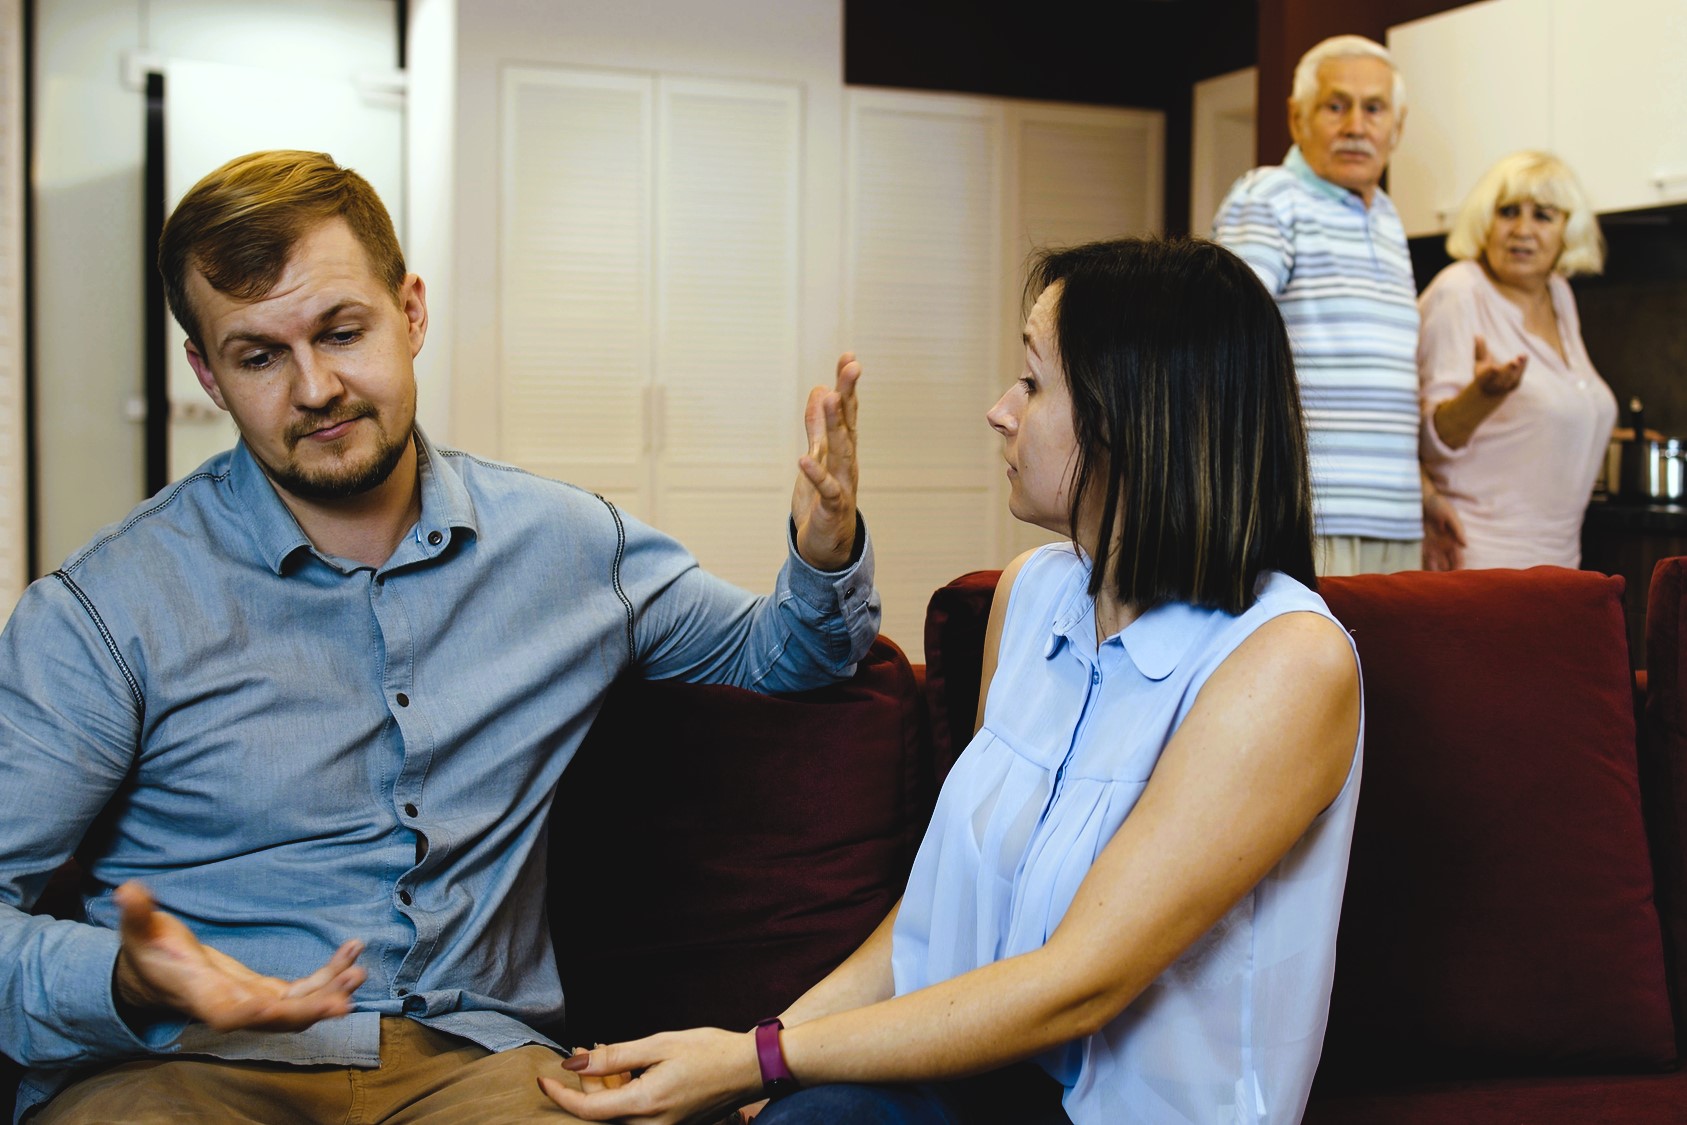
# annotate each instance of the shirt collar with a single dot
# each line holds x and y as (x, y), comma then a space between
(1312, 181)
(1155, 642)
(446, 504)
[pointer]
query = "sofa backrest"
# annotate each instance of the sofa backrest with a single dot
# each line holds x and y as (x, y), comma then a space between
(1499, 913)
(714, 852)
(1663, 761)
(1499, 910)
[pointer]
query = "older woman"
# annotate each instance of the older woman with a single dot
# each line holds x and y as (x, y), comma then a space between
(1515, 419)
(1125, 906)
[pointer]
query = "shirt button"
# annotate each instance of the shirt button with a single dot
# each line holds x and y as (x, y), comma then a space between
(435, 538)
(401, 992)
(404, 897)
(409, 810)
(403, 700)
(1095, 675)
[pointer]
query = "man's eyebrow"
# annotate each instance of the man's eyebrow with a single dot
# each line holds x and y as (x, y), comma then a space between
(1030, 344)
(326, 316)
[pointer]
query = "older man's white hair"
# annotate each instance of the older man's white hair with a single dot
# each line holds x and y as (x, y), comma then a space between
(1305, 89)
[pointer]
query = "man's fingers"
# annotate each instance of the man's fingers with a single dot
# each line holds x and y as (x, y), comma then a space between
(331, 974)
(137, 911)
(1481, 350)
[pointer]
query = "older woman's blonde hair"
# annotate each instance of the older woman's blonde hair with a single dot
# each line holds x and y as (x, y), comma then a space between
(1520, 178)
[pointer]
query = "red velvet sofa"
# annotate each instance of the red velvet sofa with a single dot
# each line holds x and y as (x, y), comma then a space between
(1514, 937)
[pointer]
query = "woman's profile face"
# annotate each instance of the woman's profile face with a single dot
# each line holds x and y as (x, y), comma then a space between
(1034, 418)
(1524, 242)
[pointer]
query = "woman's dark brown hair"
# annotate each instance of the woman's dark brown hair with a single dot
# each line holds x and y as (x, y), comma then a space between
(1188, 420)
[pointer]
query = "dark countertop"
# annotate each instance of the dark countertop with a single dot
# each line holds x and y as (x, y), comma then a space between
(1654, 517)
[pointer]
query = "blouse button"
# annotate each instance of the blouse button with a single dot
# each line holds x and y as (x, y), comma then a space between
(435, 538)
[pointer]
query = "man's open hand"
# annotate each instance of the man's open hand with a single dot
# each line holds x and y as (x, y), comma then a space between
(163, 968)
(823, 502)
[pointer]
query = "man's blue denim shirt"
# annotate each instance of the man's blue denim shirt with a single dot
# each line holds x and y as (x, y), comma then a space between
(292, 749)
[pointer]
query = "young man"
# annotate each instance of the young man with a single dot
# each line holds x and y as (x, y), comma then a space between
(304, 711)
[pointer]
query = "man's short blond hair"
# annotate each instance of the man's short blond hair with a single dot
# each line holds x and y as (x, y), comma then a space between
(238, 225)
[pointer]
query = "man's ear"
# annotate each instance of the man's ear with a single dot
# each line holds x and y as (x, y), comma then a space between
(1294, 121)
(202, 372)
(413, 303)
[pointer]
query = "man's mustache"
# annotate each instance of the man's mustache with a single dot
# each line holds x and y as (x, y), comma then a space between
(1356, 145)
(327, 419)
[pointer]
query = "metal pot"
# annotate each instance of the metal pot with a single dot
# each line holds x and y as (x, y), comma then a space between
(1658, 472)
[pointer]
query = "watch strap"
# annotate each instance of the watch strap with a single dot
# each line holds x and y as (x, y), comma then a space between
(776, 1078)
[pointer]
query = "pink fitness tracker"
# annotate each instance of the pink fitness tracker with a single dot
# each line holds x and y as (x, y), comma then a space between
(776, 1078)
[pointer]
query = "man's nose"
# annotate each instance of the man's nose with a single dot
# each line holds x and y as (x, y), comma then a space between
(1353, 120)
(316, 382)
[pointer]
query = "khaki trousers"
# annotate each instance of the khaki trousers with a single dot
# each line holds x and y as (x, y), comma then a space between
(1349, 554)
(426, 1077)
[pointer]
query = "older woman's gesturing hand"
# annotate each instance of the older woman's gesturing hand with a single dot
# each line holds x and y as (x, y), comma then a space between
(1497, 379)
(823, 502)
(682, 1076)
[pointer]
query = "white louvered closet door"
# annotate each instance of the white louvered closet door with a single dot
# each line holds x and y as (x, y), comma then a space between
(726, 402)
(650, 255)
(1079, 175)
(575, 289)
(13, 520)
(923, 301)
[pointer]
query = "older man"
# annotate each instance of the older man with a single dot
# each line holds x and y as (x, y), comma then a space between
(1326, 240)
(305, 711)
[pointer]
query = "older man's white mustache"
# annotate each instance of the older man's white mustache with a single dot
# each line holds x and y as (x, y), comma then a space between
(1360, 147)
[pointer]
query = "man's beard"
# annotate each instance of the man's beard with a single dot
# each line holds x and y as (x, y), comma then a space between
(337, 482)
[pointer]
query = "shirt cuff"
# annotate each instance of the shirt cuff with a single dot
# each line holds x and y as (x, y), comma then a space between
(84, 1004)
(849, 590)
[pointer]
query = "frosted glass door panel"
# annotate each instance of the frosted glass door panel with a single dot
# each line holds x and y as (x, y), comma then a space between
(574, 291)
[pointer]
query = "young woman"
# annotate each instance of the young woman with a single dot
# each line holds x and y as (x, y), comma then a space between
(1125, 906)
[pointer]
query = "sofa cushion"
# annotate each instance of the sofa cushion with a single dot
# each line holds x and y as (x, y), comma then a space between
(1499, 912)
(714, 852)
(1663, 762)
(1628, 1099)
(956, 618)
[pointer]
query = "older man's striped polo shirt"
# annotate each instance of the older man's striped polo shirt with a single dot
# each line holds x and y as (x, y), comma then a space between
(1342, 277)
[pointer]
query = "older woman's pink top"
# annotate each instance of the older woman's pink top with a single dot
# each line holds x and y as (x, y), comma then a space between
(1522, 482)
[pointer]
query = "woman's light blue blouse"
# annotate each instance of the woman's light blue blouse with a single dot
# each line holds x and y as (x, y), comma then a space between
(1231, 1031)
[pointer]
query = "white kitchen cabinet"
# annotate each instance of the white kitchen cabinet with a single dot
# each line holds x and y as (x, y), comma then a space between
(1620, 99)
(1478, 85)
(1601, 83)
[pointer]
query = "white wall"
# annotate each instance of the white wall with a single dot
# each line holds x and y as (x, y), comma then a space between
(89, 265)
(13, 525)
